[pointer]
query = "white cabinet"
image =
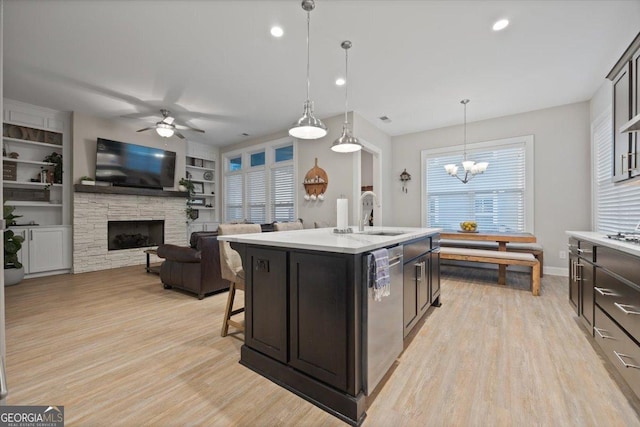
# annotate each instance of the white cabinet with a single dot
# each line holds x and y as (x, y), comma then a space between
(201, 168)
(45, 249)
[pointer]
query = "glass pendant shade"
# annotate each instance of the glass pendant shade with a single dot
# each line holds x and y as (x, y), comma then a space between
(307, 126)
(164, 130)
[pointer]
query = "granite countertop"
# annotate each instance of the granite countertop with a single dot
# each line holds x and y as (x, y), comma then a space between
(324, 239)
(601, 239)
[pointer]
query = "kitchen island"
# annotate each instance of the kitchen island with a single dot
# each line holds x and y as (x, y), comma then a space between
(307, 301)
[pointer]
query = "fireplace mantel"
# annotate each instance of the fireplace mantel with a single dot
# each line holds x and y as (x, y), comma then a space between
(79, 188)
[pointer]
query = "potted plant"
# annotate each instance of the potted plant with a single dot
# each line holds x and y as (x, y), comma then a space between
(13, 269)
(87, 180)
(56, 160)
(185, 184)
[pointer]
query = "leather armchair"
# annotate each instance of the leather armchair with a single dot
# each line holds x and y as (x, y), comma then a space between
(195, 269)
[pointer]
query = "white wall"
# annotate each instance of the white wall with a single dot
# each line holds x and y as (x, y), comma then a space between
(562, 171)
(601, 101)
(87, 129)
(340, 168)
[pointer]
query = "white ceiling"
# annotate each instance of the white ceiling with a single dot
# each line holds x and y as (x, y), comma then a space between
(215, 65)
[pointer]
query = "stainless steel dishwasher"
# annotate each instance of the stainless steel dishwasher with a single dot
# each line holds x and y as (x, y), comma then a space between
(383, 323)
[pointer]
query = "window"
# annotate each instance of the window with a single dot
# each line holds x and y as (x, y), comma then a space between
(616, 206)
(235, 164)
(501, 199)
(264, 190)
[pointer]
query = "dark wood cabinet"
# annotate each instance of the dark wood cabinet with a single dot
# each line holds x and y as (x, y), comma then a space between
(266, 302)
(421, 281)
(321, 285)
(626, 109)
(574, 287)
(586, 276)
(621, 115)
(434, 283)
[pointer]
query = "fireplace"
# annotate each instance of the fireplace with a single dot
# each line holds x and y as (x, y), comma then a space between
(134, 234)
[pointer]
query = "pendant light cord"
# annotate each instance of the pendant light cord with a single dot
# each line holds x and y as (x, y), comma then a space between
(308, 54)
(465, 132)
(346, 85)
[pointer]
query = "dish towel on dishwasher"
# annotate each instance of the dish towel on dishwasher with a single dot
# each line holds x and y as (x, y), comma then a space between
(379, 280)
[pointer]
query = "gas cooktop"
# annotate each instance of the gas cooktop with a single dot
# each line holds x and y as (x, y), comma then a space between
(629, 237)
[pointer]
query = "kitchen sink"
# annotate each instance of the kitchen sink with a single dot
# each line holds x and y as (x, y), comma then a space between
(385, 233)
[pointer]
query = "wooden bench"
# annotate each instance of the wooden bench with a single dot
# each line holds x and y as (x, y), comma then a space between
(532, 248)
(496, 257)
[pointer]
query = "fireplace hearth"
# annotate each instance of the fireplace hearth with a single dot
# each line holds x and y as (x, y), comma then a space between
(134, 234)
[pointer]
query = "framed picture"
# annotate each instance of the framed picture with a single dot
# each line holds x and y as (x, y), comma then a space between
(197, 201)
(198, 162)
(198, 187)
(194, 214)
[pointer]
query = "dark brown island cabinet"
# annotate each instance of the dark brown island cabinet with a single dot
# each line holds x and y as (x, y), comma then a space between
(604, 290)
(307, 299)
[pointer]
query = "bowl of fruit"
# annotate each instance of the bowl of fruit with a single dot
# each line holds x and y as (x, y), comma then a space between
(469, 227)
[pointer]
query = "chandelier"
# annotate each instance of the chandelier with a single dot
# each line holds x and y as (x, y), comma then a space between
(470, 167)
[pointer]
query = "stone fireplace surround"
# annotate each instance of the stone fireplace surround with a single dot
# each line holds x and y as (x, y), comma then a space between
(94, 207)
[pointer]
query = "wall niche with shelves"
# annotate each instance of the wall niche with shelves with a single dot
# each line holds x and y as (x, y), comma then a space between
(200, 168)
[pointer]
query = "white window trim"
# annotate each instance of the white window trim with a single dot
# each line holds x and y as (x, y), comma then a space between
(605, 116)
(269, 148)
(528, 140)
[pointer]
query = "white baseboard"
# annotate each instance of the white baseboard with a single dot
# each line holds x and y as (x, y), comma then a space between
(556, 271)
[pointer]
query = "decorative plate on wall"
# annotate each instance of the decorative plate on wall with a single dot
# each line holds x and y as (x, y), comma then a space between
(208, 175)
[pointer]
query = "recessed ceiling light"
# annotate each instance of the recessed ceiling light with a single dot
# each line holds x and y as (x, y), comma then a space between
(385, 119)
(500, 24)
(277, 31)
(340, 81)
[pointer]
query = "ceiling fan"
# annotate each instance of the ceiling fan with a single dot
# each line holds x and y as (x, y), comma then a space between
(166, 127)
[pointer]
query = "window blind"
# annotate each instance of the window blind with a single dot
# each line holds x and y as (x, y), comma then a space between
(233, 197)
(282, 193)
(494, 199)
(256, 196)
(617, 207)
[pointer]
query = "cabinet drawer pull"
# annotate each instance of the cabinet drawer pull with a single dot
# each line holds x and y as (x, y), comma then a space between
(584, 251)
(599, 332)
(626, 365)
(626, 309)
(578, 265)
(622, 157)
(605, 292)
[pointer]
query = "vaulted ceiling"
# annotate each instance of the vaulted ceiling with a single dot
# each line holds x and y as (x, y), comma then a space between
(215, 65)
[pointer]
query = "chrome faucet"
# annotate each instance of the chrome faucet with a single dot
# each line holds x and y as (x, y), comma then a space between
(361, 219)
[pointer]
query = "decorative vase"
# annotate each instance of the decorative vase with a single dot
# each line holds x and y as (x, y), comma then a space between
(182, 188)
(13, 276)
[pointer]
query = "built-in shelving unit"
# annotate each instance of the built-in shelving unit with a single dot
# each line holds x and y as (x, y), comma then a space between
(200, 166)
(41, 197)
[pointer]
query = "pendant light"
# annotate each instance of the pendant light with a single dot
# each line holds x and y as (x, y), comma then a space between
(347, 143)
(470, 167)
(307, 126)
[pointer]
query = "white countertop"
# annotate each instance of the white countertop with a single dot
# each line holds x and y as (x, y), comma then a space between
(603, 240)
(324, 239)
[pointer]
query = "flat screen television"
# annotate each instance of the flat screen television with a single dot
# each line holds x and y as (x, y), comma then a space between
(130, 165)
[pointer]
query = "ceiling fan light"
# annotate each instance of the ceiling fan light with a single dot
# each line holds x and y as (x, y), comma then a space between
(164, 130)
(307, 126)
(347, 143)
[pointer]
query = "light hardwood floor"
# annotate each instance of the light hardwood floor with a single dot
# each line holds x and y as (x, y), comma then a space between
(116, 349)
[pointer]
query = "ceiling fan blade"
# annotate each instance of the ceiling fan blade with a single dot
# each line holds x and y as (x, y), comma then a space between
(142, 130)
(185, 127)
(179, 135)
